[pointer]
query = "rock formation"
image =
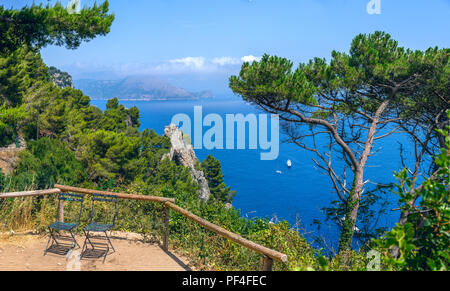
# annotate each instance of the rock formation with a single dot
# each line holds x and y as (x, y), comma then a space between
(10, 154)
(60, 78)
(182, 153)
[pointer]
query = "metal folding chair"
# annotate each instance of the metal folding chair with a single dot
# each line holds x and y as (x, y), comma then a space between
(96, 247)
(58, 226)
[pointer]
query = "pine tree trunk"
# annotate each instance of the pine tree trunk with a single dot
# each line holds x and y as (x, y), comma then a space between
(348, 225)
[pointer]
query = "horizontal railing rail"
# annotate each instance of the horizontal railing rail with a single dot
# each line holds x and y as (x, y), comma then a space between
(29, 193)
(268, 254)
(119, 195)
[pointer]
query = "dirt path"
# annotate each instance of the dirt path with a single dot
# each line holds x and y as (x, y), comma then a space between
(25, 252)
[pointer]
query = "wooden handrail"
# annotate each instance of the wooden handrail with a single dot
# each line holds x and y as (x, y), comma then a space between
(119, 195)
(269, 254)
(29, 193)
(230, 235)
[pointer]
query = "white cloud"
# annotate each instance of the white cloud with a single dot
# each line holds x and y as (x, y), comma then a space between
(191, 62)
(250, 58)
(185, 65)
(223, 61)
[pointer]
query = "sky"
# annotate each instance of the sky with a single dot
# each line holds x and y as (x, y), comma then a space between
(198, 44)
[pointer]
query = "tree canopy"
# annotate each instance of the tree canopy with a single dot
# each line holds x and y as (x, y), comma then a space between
(36, 26)
(349, 102)
(213, 172)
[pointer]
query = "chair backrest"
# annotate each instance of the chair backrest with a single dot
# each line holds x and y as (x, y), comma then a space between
(104, 198)
(77, 198)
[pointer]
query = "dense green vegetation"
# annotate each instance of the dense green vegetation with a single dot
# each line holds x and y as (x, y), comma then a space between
(213, 173)
(45, 162)
(423, 242)
(69, 141)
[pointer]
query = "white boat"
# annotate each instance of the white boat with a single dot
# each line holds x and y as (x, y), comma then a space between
(279, 172)
(289, 163)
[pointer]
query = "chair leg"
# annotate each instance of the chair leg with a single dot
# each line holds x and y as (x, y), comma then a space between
(109, 241)
(74, 241)
(84, 246)
(106, 253)
(88, 240)
(51, 239)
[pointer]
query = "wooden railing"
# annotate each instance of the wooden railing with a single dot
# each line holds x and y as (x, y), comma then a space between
(269, 255)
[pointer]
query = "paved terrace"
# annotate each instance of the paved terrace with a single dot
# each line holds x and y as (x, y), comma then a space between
(25, 252)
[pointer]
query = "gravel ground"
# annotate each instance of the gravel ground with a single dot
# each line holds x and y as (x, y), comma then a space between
(26, 252)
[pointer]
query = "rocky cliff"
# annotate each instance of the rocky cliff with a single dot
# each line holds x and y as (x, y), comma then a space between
(182, 153)
(10, 154)
(60, 78)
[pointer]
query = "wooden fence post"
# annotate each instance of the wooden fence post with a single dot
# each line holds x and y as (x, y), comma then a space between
(61, 211)
(166, 217)
(268, 263)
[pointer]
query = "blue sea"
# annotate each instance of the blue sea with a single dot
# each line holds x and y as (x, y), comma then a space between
(297, 194)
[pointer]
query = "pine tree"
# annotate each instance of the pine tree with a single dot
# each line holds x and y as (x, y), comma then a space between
(213, 172)
(38, 25)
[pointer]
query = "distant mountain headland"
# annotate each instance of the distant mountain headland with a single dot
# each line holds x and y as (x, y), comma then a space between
(60, 78)
(137, 88)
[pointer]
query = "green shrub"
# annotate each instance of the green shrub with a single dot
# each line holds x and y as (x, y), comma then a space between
(46, 162)
(423, 242)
